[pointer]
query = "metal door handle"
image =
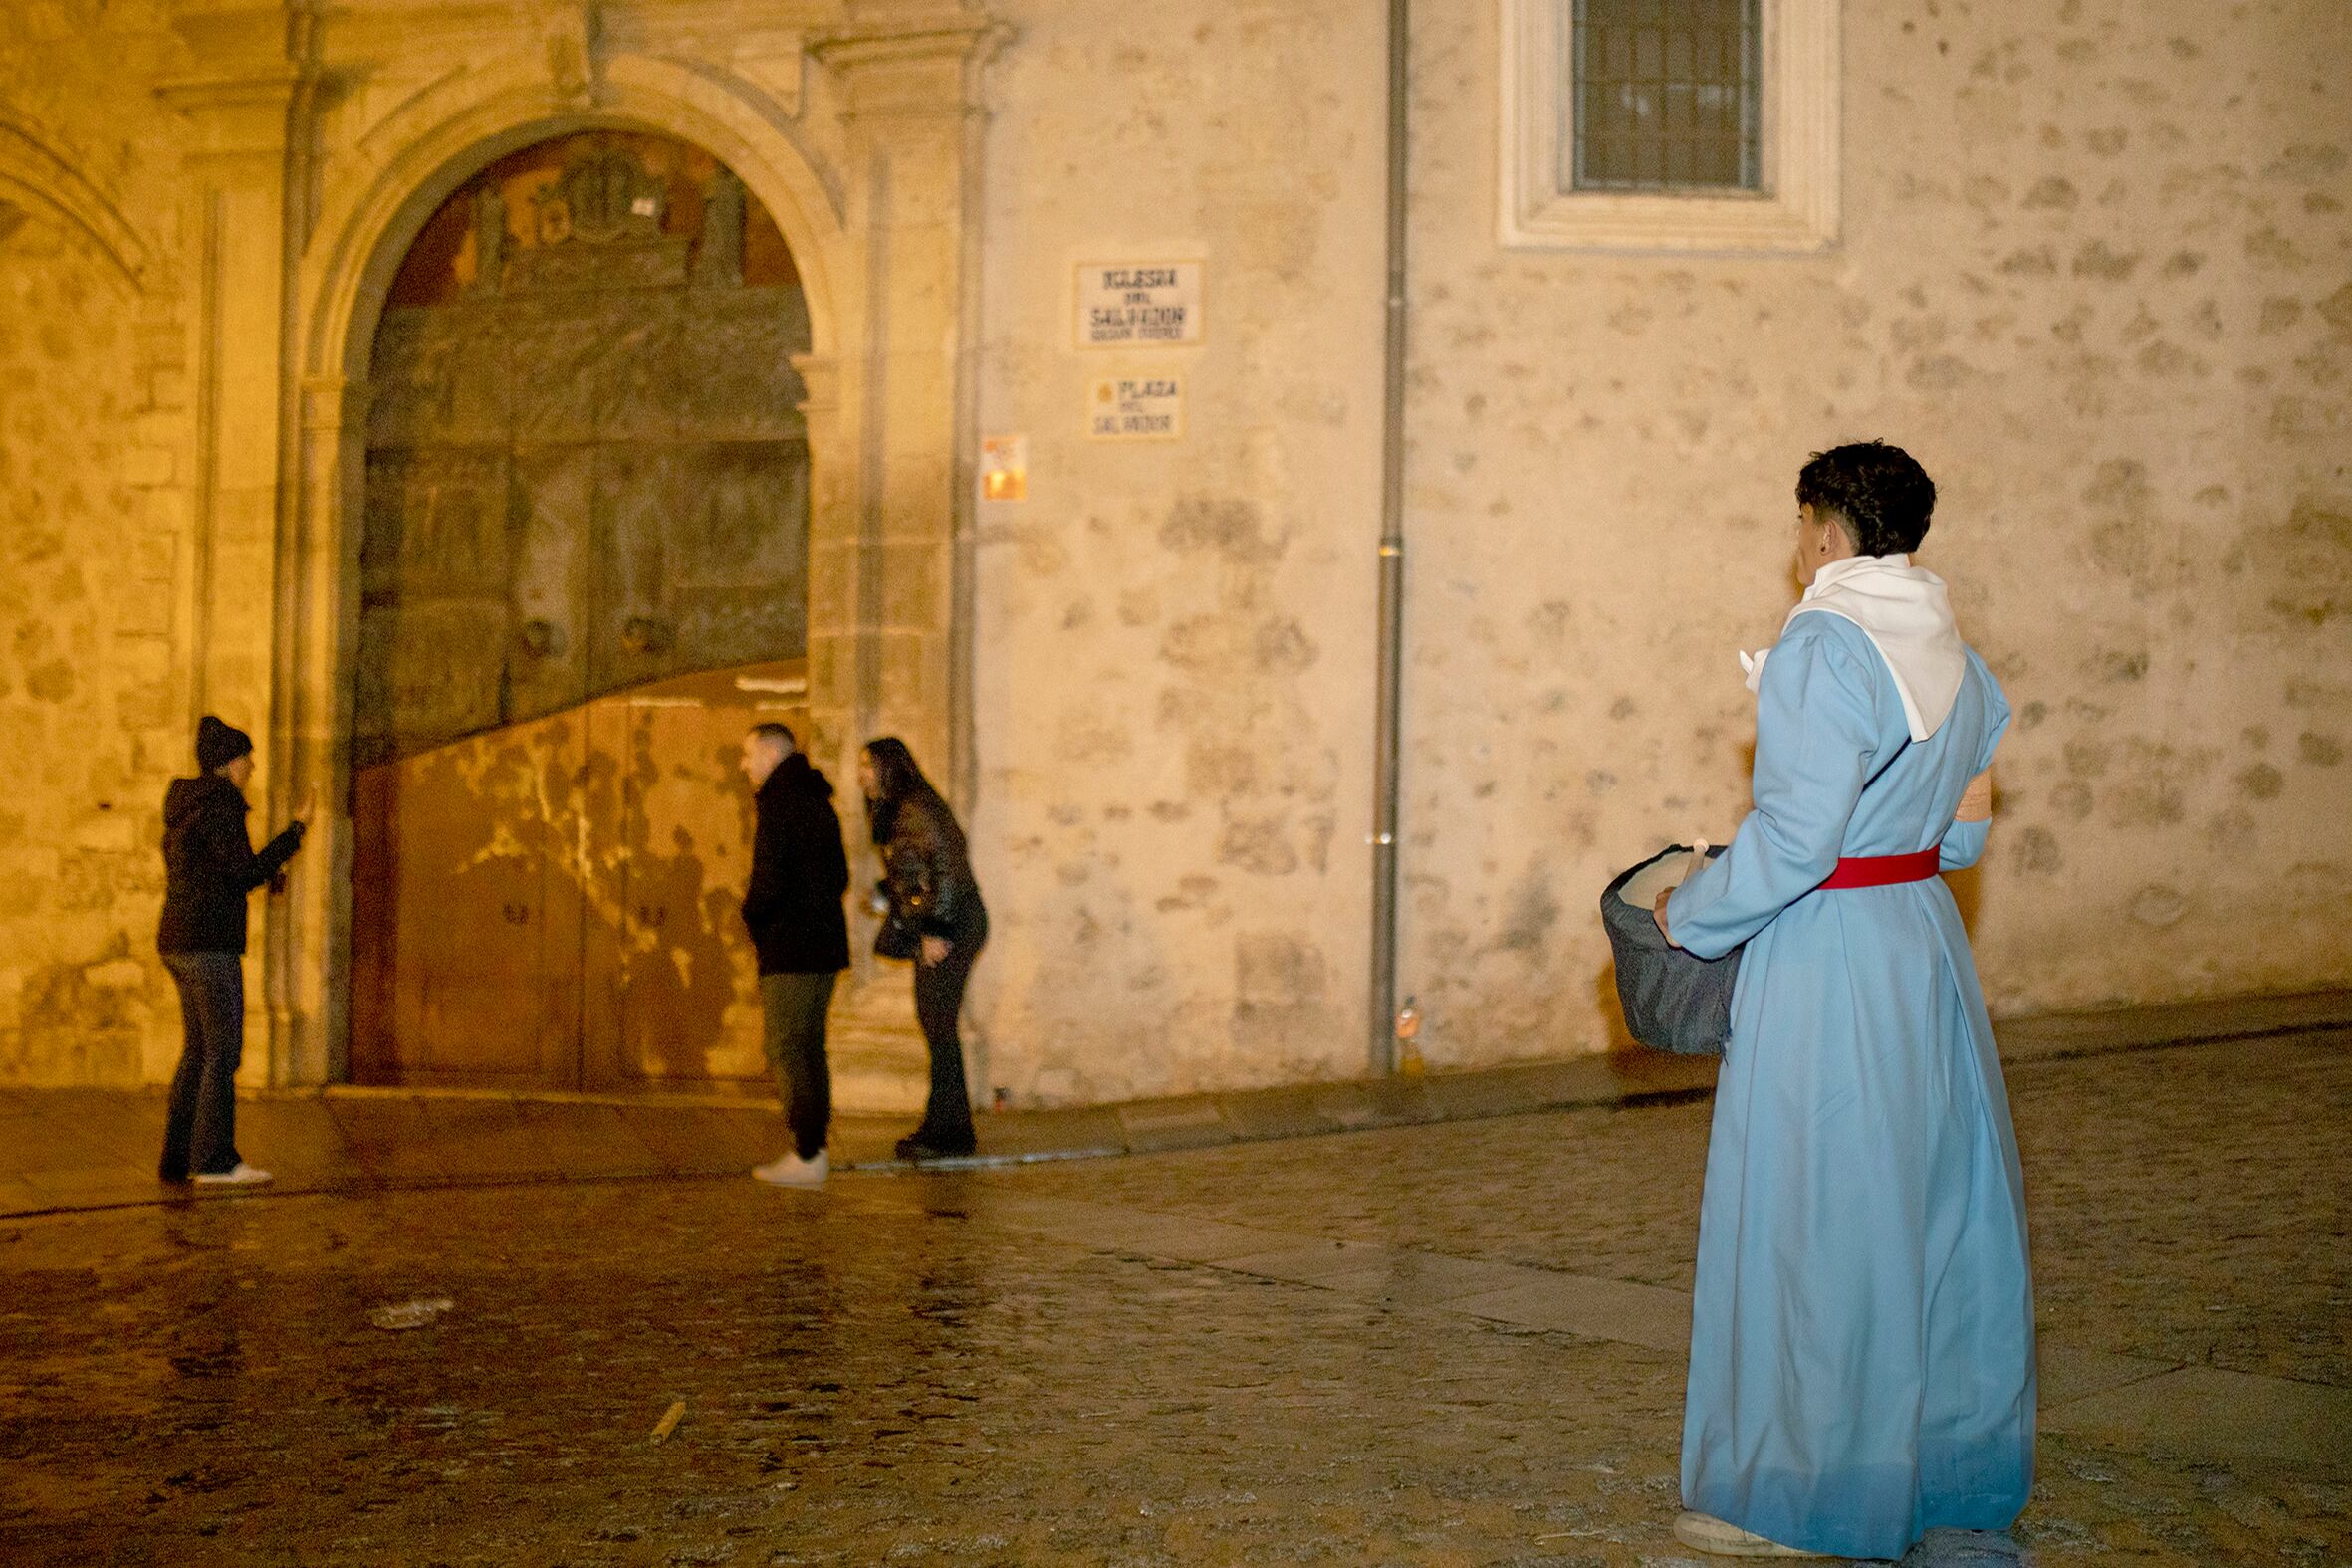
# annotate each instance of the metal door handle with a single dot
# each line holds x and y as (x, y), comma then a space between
(644, 634)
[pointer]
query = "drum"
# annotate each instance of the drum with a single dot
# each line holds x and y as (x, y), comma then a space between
(1672, 1001)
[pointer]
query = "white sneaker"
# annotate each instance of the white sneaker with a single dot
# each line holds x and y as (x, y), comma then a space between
(243, 1176)
(1707, 1533)
(789, 1170)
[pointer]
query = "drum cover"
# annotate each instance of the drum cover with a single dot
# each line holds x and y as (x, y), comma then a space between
(1672, 1001)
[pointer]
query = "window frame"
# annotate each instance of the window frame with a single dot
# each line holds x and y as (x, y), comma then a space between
(1796, 211)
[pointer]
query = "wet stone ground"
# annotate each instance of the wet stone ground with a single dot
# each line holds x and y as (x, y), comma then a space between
(1039, 1366)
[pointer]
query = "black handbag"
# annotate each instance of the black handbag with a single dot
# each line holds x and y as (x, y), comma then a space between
(1672, 1001)
(897, 937)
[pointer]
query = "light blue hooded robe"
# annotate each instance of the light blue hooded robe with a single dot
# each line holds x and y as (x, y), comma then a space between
(1862, 1330)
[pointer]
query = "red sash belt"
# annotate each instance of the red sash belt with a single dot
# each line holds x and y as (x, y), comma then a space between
(1884, 870)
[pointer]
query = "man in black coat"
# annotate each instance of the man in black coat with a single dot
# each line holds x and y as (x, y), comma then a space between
(209, 869)
(793, 908)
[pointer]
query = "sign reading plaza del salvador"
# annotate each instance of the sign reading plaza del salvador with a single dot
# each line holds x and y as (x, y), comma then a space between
(1136, 408)
(1128, 304)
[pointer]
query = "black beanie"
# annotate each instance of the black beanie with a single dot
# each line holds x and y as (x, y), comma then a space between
(218, 743)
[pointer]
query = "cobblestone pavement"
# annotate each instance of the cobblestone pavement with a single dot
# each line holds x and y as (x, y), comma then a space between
(1328, 1350)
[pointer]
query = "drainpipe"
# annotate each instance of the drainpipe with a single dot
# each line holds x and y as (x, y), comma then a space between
(1390, 720)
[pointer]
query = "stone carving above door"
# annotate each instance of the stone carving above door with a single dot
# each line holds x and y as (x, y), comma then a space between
(587, 463)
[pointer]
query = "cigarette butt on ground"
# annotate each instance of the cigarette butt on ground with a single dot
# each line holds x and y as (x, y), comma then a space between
(669, 1420)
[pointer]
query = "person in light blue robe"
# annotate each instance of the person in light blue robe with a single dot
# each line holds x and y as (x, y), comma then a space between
(1862, 1328)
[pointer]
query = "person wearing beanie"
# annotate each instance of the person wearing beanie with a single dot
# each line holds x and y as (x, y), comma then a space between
(209, 869)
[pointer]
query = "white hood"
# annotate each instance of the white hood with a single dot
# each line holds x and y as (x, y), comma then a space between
(1906, 613)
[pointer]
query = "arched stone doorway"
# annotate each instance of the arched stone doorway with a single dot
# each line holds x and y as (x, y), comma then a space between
(584, 570)
(859, 140)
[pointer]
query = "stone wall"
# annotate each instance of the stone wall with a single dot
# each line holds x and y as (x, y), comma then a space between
(94, 463)
(2095, 271)
(1173, 714)
(2094, 268)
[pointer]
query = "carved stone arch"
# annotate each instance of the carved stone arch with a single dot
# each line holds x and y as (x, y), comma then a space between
(443, 136)
(36, 176)
(382, 187)
(886, 412)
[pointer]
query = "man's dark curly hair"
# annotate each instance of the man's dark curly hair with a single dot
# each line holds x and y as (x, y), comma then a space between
(1878, 493)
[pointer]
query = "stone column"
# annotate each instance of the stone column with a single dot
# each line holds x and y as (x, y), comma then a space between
(316, 633)
(239, 103)
(832, 551)
(883, 646)
(911, 89)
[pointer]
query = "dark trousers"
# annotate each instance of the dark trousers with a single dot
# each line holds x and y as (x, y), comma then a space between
(200, 1125)
(794, 1006)
(939, 1004)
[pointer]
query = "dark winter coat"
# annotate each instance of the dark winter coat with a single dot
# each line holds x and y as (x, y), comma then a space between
(209, 865)
(799, 873)
(928, 872)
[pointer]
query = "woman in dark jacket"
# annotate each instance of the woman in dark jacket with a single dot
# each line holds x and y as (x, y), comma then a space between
(209, 867)
(936, 918)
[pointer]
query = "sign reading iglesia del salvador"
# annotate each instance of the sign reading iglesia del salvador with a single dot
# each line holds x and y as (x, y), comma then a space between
(1127, 305)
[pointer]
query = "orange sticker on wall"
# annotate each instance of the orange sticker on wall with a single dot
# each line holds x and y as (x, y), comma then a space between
(1004, 468)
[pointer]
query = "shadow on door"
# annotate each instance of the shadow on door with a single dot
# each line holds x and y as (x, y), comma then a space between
(552, 905)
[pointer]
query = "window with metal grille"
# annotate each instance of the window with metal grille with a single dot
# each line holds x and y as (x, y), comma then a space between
(1661, 125)
(1663, 95)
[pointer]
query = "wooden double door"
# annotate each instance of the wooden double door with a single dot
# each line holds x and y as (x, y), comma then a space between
(553, 904)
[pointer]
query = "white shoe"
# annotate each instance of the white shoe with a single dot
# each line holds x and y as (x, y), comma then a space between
(789, 1170)
(243, 1176)
(1707, 1533)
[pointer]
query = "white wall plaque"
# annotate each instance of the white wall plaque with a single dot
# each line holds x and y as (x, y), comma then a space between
(1136, 408)
(1128, 304)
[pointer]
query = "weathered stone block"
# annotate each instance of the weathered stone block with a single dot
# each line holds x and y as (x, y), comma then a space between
(144, 606)
(147, 705)
(914, 585)
(167, 389)
(113, 832)
(148, 465)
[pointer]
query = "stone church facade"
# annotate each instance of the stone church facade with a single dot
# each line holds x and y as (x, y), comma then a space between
(439, 384)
